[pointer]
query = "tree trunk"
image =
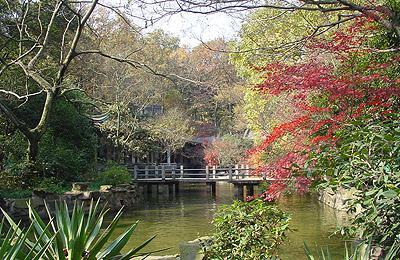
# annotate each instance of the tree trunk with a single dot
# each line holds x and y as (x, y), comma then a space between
(117, 146)
(33, 150)
(169, 156)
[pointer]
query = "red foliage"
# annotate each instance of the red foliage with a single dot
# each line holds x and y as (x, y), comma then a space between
(278, 132)
(211, 157)
(352, 93)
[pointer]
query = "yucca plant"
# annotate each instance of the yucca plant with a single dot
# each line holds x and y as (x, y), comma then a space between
(15, 244)
(77, 235)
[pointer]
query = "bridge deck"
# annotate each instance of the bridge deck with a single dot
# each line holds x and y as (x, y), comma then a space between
(200, 180)
(173, 174)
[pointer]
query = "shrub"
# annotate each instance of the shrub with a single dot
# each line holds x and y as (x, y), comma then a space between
(248, 230)
(367, 158)
(10, 180)
(51, 185)
(115, 174)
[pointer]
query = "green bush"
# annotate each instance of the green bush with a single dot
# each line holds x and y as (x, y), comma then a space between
(15, 193)
(248, 230)
(13, 182)
(51, 185)
(115, 174)
(367, 158)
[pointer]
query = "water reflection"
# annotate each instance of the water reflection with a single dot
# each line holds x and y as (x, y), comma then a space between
(187, 216)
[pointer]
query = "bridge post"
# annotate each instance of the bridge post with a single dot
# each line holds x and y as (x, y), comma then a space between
(212, 187)
(264, 175)
(230, 173)
(173, 172)
(237, 171)
(243, 170)
(182, 171)
(146, 172)
(135, 172)
(163, 172)
(156, 171)
(239, 191)
(214, 171)
(249, 190)
(148, 188)
(247, 170)
(207, 172)
(171, 188)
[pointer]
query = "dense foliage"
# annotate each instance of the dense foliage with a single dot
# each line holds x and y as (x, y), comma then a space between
(227, 150)
(66, 151)
(130, 94)
(248, 230)
(344, 129)
(114, 174)
(366, 157)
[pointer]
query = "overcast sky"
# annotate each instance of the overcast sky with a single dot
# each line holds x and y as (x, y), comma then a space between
(193, 28)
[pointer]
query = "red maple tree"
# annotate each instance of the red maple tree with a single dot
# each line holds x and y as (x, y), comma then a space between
(349, 93)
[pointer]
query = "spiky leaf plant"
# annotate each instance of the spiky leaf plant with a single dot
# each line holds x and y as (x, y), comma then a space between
(77, 235)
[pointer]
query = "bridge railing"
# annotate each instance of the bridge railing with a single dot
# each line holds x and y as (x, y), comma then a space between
(164, 172)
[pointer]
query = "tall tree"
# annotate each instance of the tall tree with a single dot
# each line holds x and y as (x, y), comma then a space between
(38, 41)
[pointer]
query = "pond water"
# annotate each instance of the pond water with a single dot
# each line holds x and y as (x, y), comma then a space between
(188, 216)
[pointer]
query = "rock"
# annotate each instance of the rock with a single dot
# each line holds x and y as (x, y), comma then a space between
(80, 186)
(337, 200)
(104, 188)
(45, 194)
(193, 250)
(115, 197)
(72, 195)
(95, 195)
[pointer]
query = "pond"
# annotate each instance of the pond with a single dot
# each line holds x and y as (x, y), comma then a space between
(188, 215)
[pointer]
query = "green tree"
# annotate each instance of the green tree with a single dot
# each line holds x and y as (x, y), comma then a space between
(39, 42)
(172, 129)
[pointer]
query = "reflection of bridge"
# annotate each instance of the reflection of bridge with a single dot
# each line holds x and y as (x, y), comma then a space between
(170, 176)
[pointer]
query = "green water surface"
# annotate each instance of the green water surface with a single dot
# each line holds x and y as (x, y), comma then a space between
(188, 215)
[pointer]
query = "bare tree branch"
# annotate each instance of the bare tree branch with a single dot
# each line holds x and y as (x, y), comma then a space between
(19, 97)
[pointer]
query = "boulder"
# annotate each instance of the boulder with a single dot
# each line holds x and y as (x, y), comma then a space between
(193, 250)
(80, 186)
(105, 188)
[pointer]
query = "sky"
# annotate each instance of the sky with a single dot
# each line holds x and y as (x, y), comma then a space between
(190, 28)
(194, 28)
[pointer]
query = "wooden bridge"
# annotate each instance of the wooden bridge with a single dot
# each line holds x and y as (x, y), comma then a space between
(170, 176)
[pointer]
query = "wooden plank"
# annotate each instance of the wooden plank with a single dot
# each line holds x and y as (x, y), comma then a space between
(135, 172)
(182, 171)
(163, 172)
(202, 180)
(156, 171)
(237, 171)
